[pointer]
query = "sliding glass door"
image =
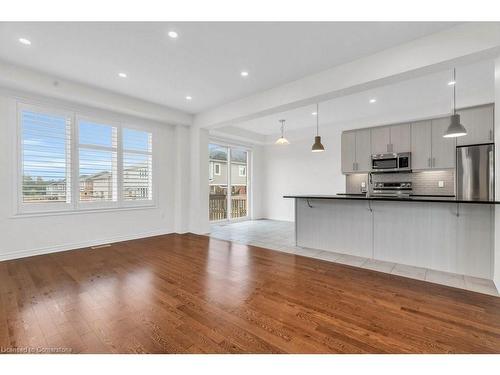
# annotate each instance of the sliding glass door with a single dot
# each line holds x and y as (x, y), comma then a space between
(228, 182)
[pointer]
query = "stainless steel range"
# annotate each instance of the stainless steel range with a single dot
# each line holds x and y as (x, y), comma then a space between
(392, 189)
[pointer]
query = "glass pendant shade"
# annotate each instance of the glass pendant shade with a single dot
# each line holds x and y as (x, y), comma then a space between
(455, 129)
(317, 146)
(282, 140)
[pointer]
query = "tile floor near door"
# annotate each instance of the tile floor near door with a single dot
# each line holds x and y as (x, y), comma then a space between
(280, 236)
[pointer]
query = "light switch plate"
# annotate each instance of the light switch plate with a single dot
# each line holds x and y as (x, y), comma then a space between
(441, 184)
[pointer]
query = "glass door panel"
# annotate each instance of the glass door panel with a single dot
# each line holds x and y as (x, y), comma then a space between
(218, 179)
(239, 169)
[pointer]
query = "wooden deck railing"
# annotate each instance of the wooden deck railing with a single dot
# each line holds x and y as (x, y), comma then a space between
(217, 205)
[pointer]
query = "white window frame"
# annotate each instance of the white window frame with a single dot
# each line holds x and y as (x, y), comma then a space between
(242, 168)
(75, 206)
(217, 166)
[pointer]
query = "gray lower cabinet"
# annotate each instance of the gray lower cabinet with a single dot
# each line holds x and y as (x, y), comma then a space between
(443, 149)
(363, 154)
(479, 124)
(348, 152)
(421, 150)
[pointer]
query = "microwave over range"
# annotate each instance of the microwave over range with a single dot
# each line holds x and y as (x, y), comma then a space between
(391, 162)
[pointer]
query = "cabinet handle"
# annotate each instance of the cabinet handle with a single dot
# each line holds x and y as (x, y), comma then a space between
(353, 166)
(428, 162)
(434, 162)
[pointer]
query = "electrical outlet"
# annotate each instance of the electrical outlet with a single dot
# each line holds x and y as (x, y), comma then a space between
(441, 184)
(363, 184)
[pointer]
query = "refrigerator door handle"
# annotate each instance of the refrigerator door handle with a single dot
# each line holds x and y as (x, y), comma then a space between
(491, 159)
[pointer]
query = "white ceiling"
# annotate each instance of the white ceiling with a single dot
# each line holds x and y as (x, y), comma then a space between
(422, 97)
(204, 62)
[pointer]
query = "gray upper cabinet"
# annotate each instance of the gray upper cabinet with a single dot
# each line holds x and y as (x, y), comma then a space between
(355, 151)
(421, 151)
(479, 124)
(443, 149)
(363, 154)
(429, 149)
(348, 151)
(394, 138)
(380, 140)
(400, 140)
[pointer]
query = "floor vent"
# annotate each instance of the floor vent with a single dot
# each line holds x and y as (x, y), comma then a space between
(100, 246)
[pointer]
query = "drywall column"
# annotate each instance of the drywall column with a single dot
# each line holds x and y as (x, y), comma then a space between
(257, 183)
(181, 178)
(198, 207)
(496, 255)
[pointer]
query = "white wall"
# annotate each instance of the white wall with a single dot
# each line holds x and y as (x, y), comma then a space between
(198, 181)
(28, 235)
(294, 169)
(258, 183)
(496, 254)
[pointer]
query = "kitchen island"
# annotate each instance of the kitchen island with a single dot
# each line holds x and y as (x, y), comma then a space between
(440, 233)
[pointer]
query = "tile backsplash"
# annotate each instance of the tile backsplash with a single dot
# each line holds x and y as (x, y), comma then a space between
(353, 182)
(424, 182)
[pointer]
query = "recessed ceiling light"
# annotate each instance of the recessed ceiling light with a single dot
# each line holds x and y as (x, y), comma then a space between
(173, 34)
(122, 75)
(314, 113)
(451, 83)
(189, 97)
(373, 100)
(244, 74)
(25, 41)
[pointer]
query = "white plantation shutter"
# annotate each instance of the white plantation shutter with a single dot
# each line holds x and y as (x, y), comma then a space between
(45, 157)
(137, 165)
(97, 156)
(68, 162)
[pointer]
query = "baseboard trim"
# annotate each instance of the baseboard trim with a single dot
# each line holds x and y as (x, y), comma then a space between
(78, 245)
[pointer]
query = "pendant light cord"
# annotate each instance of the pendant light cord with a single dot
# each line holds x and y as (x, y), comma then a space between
(317, 119)
(454, 92)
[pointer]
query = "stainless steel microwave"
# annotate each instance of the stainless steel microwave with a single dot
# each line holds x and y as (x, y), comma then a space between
(391, 162)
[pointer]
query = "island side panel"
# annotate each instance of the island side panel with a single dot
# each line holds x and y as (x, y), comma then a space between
(335, 225)
(416, 234)
(431, 235)
(475, 237)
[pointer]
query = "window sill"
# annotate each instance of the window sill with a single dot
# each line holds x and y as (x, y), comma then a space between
(82, 211)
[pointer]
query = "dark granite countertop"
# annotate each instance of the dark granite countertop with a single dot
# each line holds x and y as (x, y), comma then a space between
(411, 198)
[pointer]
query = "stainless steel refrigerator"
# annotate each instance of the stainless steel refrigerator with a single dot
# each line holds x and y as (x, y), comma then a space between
(476, 172)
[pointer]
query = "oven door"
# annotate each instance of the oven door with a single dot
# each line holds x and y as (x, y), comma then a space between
(385, 164)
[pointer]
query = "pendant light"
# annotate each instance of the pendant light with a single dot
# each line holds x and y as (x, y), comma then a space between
(282, 140)
(317, 146)
(455, 129)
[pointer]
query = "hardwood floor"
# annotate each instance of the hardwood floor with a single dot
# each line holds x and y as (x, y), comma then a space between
(193, 294)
